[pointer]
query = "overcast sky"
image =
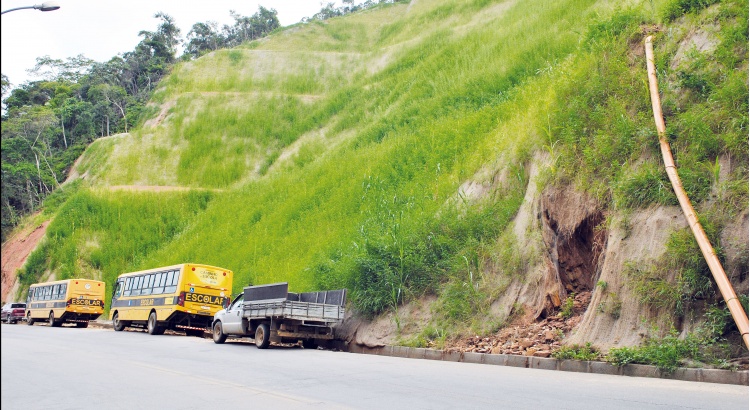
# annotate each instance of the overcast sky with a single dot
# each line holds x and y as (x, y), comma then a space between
(101, 29)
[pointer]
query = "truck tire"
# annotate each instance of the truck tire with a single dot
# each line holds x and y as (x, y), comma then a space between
(262, 336)
(117, 324)
(153, 325)
(218, 332)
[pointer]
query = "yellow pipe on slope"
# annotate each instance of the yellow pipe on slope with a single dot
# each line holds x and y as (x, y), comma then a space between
(725, 287)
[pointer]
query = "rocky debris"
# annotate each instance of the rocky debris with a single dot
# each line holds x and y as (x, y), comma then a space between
(538, 339)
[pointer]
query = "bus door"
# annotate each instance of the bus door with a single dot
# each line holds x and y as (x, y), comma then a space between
(117, 292)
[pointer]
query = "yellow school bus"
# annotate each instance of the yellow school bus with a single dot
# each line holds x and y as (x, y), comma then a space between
(65, 301)
(179, 297)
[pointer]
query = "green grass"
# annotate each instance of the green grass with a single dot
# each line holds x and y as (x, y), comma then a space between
(390, 113)
(668, 352)
(101, 235)
(576, 352)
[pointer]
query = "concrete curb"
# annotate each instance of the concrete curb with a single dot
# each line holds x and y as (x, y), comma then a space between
(739, 377)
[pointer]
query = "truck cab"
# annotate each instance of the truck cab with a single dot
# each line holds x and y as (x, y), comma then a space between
(231, 317)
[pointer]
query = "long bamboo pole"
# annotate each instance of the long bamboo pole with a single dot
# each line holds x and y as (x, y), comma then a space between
(725, 287)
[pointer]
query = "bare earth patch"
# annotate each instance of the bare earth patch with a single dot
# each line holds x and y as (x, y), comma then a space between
(538, 339)
(14, 254)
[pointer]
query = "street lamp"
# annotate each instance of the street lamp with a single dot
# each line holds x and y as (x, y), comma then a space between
(46, 6)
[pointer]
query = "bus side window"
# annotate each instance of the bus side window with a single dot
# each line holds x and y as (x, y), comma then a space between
(118, 288)
(134, 291)
(151, 282)
(159, 283)
(56, 292)
(138, 286)
(148, 284)
(171, 279)
(128, 282)
(63, 289)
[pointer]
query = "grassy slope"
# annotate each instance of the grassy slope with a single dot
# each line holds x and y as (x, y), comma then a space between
(334, 147)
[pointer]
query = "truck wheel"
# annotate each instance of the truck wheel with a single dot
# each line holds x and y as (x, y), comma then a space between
(219, 336)
(29, 320)
(262, 336)
(153, 326)
(118, 324)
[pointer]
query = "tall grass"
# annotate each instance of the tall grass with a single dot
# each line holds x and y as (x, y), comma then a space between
(101, 235)
(449, 89)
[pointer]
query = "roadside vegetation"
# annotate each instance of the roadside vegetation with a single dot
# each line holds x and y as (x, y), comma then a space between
(336, 166)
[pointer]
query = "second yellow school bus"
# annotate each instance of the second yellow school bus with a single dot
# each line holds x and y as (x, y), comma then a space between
(179, 297)
(65, 301)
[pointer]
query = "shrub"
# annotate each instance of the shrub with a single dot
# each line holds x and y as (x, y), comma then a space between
(577, 352)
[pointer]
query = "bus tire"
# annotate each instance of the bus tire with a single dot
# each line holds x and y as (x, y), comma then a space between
(52, 322)
(29, 320)
(218, 333)
(117, 324)
(153, 325)
(82, 324)
(262, 336)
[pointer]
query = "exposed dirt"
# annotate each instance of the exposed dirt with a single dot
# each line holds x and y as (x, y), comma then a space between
(14, 253)
(148, 188)
(529, 339)
(156, 121)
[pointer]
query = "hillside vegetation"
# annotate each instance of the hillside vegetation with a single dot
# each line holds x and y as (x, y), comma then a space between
(390, 152)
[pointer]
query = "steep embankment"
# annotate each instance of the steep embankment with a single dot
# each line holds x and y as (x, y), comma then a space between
(15, 251)
(463, 167)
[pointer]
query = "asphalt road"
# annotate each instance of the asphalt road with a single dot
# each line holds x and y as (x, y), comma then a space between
(70, 368)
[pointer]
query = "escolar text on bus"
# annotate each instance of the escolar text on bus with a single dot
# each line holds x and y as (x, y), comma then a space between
(198, 298)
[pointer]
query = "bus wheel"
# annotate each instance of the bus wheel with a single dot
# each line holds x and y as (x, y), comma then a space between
(219, 336)
(52, 319)
(118, 324)
(153, 326)
(29, 320)
(262, 336)
(82, 324)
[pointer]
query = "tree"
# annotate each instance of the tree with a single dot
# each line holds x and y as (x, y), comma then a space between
(71, 70)
(250, 28)
(202, 38)
(115, 96)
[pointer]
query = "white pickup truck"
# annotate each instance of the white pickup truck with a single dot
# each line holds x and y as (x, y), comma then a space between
(270, 313)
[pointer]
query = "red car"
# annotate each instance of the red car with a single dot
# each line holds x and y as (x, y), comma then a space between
(13, 312)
